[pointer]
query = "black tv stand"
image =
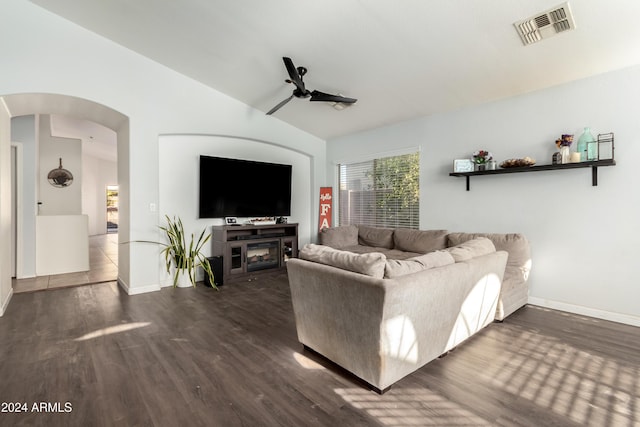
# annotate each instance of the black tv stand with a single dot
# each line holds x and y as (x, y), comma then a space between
(251, 250)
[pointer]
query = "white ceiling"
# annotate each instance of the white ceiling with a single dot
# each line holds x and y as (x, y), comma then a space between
(73, 118)
(401, 59)
(97, 140)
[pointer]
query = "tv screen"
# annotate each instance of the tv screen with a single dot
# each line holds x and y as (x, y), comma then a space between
(243, 188)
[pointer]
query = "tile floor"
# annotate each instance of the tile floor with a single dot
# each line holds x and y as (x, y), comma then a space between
(103, 267)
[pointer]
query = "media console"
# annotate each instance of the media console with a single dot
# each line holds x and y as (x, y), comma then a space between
(250, 250)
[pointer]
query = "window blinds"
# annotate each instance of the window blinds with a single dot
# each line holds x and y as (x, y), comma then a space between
(382, 192)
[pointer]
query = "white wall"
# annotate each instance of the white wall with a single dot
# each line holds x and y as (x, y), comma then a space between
(179, 191)
(58, 200)
(156, 100)
(583, 238)
(62, 244)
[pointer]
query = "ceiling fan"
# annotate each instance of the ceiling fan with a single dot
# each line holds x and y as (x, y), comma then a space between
(300, 91)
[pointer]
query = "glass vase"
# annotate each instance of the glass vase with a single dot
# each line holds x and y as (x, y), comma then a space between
(587, 146)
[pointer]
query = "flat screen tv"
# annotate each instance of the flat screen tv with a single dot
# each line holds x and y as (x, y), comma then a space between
(243, 188)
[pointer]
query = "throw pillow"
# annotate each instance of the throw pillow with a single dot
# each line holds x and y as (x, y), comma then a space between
(471, 249)
(396, 267)
(371, 264)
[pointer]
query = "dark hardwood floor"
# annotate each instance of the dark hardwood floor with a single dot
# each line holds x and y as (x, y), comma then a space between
(197, 357)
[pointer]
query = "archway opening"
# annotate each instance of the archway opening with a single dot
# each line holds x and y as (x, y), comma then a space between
(82, 110)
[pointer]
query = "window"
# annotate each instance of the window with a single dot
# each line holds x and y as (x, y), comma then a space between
(382, 192)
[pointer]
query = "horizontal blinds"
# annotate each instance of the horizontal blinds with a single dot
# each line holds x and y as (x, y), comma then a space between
(382, 192)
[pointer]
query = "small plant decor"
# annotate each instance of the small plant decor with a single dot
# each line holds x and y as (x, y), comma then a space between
(481, 157)
(564, 141)
(181, 256)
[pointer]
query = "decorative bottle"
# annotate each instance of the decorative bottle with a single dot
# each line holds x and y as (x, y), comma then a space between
(587, 146)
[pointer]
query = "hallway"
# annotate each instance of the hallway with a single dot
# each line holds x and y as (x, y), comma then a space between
(103, 267)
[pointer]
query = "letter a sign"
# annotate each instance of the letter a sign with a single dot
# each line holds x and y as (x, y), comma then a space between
(325, 207)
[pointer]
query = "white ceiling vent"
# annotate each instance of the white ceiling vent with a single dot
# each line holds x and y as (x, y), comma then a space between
(546, 24)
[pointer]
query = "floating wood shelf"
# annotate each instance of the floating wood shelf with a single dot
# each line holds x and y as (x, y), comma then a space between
(594, 165)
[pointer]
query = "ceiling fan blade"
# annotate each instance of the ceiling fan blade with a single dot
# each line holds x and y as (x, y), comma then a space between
(280, 105)
(293, 74)
(321, 96)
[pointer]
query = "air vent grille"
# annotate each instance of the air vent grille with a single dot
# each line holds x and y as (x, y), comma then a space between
(546, 24)
(542, 20)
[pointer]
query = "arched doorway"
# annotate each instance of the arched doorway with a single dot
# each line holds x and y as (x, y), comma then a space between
(81, 109)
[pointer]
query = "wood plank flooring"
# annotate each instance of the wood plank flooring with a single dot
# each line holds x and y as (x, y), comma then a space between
(198, 357)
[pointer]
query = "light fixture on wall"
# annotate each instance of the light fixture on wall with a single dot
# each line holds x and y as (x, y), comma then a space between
(60, 177)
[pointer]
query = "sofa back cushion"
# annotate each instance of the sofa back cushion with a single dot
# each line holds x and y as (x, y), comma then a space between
(371, 264)
(375, 236)
(395, 267)
(420, 241)
(339, 237)
(516, 244)
(471, 249)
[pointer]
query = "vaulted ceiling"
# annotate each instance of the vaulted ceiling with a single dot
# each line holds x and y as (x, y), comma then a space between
(400, 59)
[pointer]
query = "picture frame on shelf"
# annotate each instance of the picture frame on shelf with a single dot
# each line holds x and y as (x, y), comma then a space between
(462, 165)
(231, 220)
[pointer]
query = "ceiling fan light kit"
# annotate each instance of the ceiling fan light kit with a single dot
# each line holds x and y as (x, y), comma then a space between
(295, 77)
(340, 105)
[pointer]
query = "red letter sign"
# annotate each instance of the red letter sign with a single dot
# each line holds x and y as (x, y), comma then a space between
(325, 208)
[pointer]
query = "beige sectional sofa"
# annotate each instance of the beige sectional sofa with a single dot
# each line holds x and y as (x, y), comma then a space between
(381, 303)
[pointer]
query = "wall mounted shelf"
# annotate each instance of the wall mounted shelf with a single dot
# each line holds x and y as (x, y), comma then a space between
(594, 165)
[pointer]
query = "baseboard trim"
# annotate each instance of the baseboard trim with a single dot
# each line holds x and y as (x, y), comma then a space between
(136, 291)
(586, 311)
(5, 303)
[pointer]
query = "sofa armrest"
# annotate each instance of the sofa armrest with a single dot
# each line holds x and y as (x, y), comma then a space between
(338, 313)
(515, 289)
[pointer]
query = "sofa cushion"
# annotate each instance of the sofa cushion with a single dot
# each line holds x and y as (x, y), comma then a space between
(371, 264)
(516, 244)
(471, 249)
(339, 237)
(375, 236)
(394, 267)
(421, 241)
